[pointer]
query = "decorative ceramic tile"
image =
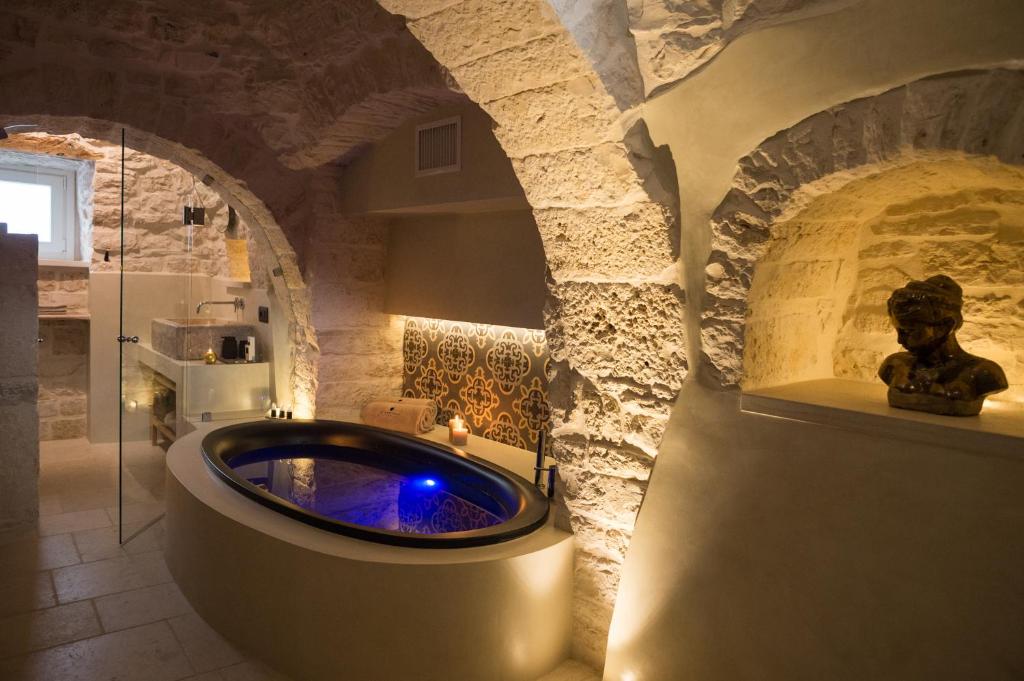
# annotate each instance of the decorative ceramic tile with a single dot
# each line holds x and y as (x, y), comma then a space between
(495, 377)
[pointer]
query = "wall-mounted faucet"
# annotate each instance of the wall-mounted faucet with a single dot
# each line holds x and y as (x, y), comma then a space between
(237, 303)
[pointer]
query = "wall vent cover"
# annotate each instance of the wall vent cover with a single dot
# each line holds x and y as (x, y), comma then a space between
(439, 147)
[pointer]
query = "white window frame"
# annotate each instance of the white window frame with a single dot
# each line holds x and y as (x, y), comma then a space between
(63, 211)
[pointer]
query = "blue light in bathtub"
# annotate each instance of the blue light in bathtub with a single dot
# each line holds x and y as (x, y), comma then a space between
(422, 502)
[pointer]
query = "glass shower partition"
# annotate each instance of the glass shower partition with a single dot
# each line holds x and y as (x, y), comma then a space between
(192, 272)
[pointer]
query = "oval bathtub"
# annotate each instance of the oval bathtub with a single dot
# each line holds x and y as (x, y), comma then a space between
(375, 484)
(317, 604)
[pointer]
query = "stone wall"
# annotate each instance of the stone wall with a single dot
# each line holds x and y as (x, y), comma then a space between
(360, 345)
(19, 439)
(971, 112)
(64, 379)
(963, 217)
(817, 305)
(613, 322)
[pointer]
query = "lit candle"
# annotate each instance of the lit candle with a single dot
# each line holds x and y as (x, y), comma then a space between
(458, 431)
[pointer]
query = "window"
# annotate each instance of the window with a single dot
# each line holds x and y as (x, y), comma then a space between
(41, 201)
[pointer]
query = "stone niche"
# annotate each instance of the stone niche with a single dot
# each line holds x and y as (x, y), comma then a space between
(817, 304)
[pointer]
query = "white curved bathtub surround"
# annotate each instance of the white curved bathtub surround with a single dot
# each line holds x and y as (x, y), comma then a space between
(317, 605)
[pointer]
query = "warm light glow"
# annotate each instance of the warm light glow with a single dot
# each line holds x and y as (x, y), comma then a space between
(458, 431)
(303, 405)
(424, 322)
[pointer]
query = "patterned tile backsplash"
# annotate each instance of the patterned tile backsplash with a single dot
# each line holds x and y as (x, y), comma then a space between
(495, 377)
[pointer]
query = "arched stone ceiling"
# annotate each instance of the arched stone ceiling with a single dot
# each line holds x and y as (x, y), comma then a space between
(301, 78)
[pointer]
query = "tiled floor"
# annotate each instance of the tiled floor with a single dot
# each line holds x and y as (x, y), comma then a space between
(76, 606)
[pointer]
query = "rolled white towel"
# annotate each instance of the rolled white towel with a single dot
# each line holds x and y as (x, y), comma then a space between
(429, 404)
(405, 417)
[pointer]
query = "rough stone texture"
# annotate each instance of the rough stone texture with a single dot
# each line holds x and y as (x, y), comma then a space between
(19, 438)
(249, 93)
(63, 379)
(674, 37)
(957, 216)
(360, 345)
(601, 29)
(261, 97)
(974, 113)
(586, 243)
(615, 328)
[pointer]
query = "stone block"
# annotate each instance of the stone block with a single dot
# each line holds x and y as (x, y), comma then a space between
(574, 113)
(71, 339)
(621, 461)
(484, 27)
(67, 428)
(74, 406)
(621, 331)
(607, 500)
(48, 407)
(789, 280)
(629, 242)
(602, 175)
(975, 263)
(361, 341)
(541, 63)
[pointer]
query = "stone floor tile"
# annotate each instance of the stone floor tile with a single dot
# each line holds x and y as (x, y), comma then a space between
(103, 543)
(98, 544)
(38, 553)
(30, 631)
(21, 592)
(87, 499)
(114, 575)
(251, 670)
(137, 512)
(146, 653)
(141, 606)
(206, 649)
(73, 522)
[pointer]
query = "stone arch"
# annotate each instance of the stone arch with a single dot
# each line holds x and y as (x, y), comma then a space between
(606, 210)
(295, 303)
(975, 112)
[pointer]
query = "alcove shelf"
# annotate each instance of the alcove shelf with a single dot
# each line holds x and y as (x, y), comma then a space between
(74, 316)
(862, 406)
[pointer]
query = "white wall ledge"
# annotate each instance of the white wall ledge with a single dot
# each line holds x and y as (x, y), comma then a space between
(64, 264)
(860, 406)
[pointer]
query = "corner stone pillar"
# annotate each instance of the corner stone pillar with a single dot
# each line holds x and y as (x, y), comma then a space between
(19, 383)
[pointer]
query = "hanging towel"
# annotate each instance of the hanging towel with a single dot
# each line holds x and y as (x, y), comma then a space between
(404, 417)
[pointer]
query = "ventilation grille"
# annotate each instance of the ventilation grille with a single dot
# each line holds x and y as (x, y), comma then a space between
(438, 147)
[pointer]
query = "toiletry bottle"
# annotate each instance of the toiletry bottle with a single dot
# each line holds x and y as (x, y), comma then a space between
(250, 349)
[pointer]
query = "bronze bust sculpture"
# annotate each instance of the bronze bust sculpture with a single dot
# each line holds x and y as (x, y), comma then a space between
(935, 375)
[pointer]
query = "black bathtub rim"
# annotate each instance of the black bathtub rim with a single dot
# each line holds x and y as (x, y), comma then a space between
(532, 513)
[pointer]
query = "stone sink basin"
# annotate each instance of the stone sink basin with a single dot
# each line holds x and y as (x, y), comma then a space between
(190, 338)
